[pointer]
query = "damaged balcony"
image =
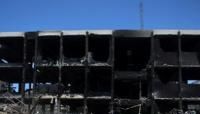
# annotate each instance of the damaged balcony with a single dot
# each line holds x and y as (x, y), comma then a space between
(190, 50)
(166, 49)
(127, 89)
(96, 79)
(47, 80)
(165, 85)
(49, 75)
(74, 49)
(191, 84)
(48, 50)
(11, 75)
(98, 56)
(73, 81)
(11, 50)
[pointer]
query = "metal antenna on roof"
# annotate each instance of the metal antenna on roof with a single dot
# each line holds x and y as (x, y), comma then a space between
(141, 15)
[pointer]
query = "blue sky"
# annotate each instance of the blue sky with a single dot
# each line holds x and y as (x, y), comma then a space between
(31, 15)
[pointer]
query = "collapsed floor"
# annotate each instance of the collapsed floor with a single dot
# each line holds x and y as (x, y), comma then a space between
(100, 72)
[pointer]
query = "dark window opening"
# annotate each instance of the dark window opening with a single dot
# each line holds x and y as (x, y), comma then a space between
(99, 47)
(73, 48)
(190, 74)
(166, 75)
(99, 82)
(12, 75)
(48, 49)
(166, 49)
(166, 83)
(11, 50)
(132, 53)
(49, 74)
(73, 80)
(126, 89)
(190, 50)
(191, 82)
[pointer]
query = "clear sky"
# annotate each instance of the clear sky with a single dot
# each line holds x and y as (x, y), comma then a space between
(31, 15)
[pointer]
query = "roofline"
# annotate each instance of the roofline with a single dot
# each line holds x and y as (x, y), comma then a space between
(103, 32)
(12, 34)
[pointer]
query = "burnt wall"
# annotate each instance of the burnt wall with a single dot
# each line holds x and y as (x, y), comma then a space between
(121, 71)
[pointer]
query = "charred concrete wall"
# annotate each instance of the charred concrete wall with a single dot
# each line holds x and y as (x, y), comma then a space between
(101, 72)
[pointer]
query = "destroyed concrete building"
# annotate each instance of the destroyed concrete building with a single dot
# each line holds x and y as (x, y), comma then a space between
(101, 72)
